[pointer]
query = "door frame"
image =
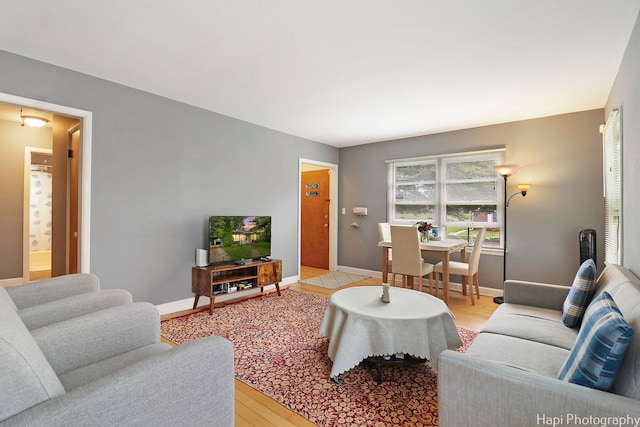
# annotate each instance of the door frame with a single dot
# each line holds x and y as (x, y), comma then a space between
(333, 210)
(70, 241)
(86, 118)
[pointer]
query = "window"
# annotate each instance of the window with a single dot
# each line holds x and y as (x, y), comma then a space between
(456, 193)
(612, 188)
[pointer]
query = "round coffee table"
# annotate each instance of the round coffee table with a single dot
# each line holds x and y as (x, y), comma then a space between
(359, 326)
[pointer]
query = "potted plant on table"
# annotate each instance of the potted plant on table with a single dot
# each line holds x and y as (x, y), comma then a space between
(424, 228)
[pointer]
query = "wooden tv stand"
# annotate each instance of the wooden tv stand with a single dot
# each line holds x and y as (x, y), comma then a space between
(213, 280)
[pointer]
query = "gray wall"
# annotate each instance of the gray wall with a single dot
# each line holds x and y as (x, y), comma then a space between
(159, 168)
(626, 94)
(560, 155)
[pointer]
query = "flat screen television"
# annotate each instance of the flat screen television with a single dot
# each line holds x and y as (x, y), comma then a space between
(234, 238)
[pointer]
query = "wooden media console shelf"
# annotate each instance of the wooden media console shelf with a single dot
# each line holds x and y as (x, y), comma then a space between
(223, 279)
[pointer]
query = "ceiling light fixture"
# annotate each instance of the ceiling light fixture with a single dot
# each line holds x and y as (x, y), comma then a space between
(33, 121)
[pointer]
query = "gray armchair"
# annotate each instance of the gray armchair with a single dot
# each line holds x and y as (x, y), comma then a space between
(108, 368)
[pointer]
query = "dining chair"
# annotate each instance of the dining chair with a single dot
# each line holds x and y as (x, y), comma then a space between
(384, 230)
(407, 257)
(466, 269)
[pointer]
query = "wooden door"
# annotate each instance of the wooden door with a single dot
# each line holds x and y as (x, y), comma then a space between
(74, 182)
(314, 230)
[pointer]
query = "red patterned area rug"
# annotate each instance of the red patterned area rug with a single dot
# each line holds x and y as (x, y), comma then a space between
(279, 352)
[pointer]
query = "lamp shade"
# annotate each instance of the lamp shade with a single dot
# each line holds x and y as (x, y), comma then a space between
(524, 187)
(506, 170)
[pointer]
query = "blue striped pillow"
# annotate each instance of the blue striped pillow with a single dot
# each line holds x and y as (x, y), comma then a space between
(599, 350)
(582, 290)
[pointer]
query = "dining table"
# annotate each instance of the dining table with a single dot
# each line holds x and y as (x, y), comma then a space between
(445, 247)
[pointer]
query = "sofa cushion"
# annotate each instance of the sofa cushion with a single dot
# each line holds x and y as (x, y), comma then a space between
(71, 307)
(87, 374)
(580, 295)
(27, 377)
(624, 287)
(537, 324)
(529, 356)
(600, 348)
(52, 289)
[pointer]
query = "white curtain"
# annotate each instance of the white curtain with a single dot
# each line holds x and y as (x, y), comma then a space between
(40, 211)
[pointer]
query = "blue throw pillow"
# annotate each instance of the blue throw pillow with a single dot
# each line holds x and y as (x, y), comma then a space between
(580, 295)
(599, 350)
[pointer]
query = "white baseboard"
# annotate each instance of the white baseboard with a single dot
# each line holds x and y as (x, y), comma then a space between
(454, 286)
(187, 304)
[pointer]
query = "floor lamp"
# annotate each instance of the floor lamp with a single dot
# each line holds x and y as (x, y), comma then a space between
(506, 171)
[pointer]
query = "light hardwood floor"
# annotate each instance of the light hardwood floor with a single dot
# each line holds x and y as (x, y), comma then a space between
(254, 409)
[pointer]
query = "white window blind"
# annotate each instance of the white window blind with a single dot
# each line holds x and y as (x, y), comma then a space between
(612, 153)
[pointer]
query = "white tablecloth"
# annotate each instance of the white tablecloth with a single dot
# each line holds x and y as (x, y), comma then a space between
(360, 325)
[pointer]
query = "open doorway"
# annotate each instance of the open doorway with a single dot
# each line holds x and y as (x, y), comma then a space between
(38, 213)
(50, 192)
(318, 215)
(34, 160)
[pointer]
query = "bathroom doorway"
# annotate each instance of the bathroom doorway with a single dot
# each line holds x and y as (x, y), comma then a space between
(38, 211)
(68, 134)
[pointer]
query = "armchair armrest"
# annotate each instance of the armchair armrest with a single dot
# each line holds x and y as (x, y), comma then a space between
(477, 392)
(95, 337)
(53, 289)
(75, 306)
(192, 384)
(535, 294)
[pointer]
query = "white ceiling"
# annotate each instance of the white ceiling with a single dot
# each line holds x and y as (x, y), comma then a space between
(341, 72)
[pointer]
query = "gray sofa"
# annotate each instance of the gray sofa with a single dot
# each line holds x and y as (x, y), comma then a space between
(105, 366)
(508, 375)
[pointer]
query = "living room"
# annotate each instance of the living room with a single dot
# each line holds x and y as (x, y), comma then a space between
(160, 167)
(170, 159)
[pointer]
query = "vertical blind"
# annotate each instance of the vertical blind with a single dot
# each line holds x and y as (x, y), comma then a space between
(612, 151)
